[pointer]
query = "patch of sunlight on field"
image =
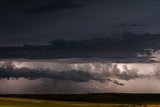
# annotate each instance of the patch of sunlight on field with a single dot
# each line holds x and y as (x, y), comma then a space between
(18, 102)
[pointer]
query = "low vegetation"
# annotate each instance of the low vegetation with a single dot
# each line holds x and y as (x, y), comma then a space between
(82, 100)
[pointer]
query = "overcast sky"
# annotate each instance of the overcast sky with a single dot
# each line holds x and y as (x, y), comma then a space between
(38, 21)
(127, 64)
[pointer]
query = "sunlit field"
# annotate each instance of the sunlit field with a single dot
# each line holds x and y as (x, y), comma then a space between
(20, 102)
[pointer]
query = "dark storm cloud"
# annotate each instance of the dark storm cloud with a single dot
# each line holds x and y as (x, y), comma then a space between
(56, 5)
(128, 48)
(128, 41)
(73, 19)
(110, 74)
(9, 71)
(118, 83)
(83, 30)
(37, 6)
(134, 25)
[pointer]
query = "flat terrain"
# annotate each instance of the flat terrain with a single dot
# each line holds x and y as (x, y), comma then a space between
(19, 102)
(82, 100)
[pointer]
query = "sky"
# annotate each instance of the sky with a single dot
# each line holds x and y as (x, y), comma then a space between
(79, 46)
(39, 21)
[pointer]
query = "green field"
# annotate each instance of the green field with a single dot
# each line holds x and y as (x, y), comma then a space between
(20, 102)
(81, 100)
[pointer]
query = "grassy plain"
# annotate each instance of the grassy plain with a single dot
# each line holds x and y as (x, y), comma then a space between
(19, 102)
(109, 100)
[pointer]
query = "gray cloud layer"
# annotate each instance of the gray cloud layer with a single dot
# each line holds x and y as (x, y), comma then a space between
(127, 48)
(55, 5)
(58, 76)
(111, 74)
(74, 19)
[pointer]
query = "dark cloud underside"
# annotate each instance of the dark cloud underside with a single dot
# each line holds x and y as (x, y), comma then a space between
(56, 5)
(127, 48)
(8, 70)
(38, 21)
